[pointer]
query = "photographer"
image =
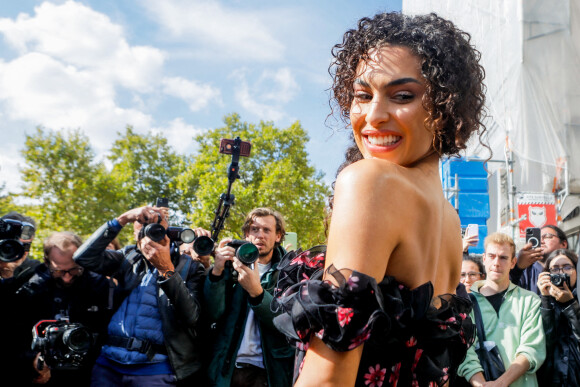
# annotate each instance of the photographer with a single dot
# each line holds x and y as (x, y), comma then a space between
(152, 335)
(61, 290)
(561, 319)
(13, 275)
(531, 262)
(249, 350)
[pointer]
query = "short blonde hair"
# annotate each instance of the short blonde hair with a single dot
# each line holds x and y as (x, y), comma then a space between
(63, 240)
(500, 238)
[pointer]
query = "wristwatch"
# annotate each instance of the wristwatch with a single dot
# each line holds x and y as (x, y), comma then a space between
(168, 274)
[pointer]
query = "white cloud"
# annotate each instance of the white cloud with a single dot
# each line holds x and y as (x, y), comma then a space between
(79, 36)
(266, 98)
(223, 32)
(43, 91)
(197, 95)
(180, 135)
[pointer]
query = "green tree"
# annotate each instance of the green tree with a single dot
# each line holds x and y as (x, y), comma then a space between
(146, 167)
(277, 174)
(67, 188)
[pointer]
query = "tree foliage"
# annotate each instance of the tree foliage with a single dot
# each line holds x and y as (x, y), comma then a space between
(277, 174)
(146, 168)
(66, 188)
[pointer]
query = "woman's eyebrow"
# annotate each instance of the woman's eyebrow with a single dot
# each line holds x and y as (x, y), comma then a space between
(396, 82)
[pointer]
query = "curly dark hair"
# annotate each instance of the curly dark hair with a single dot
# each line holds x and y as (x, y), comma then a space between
(455, 93)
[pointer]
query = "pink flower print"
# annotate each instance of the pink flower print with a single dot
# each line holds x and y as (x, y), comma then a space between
(445, 376)
(360, 338)
(411, 342)
(449, 320)
(394, 378)
(344, 315)
(320, 334)
(352, 282)
(418, 354)
(463, 315)
(375, 376)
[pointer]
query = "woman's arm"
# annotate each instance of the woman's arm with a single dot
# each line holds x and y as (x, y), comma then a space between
(364, 232)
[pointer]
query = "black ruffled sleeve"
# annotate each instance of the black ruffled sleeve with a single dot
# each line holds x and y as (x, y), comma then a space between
(407, 329)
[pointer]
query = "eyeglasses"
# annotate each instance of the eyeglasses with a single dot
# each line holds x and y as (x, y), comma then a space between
(558, 269)
(75, 271)
(471, 274)
(549, 236)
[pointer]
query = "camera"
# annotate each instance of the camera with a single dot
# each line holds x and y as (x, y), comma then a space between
(559, 279)
(63, 345)
(11, 232)
(157, 232)
(246, 252)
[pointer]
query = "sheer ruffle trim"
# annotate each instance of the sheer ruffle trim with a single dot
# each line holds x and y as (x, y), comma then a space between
(349, 308)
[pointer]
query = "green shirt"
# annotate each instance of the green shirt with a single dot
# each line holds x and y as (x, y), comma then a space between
(516, 330)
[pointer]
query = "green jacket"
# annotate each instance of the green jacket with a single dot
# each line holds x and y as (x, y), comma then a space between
(228, 306)
(517, 330)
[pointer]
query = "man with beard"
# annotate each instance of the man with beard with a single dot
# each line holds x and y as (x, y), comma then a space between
(248, 349)
(531, 261)
(62, 290)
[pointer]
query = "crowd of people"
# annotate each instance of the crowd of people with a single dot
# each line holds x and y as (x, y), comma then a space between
(387, 301)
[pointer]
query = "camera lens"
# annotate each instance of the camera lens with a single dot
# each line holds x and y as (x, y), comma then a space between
(78, 339)
(187, 235)
(203, 245)
(11, 250)
(247, 253)
(155, 232)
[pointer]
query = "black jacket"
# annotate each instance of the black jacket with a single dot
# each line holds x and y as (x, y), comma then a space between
(178, 298)
(85, 301)
(562, 327)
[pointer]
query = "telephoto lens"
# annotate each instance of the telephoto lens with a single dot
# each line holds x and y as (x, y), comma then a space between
(180, 234)
(155, 232)
(246, 252)
(203, 245)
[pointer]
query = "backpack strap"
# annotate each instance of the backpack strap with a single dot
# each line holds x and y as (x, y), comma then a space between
(478, 320)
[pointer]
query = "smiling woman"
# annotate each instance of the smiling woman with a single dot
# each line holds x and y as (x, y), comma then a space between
(411, 89)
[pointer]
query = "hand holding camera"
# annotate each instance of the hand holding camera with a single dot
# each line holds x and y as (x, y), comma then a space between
(556, 286)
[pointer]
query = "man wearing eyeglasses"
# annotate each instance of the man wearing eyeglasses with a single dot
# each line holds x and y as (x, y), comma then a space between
(531, 261)
(61, 290)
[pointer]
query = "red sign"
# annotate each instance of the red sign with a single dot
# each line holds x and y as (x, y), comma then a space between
(539, 210)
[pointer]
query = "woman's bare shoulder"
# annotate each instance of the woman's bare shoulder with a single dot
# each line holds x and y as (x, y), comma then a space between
(378, 174)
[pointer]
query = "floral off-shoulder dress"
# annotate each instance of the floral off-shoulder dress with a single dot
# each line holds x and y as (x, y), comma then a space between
(411, 338)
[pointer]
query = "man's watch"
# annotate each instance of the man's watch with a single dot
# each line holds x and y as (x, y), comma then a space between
(168, 274)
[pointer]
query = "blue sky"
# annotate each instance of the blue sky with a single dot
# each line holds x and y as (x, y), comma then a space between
(174, 66)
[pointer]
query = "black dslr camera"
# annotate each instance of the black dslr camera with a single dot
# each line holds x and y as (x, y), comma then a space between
(559, 280)
(11, 232)
(246, 252)
(63, 345)
(157, 232)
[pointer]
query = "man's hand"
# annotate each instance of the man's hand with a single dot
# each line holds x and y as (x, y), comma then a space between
(249, 278)
(143, 215)
(157, 253)
(42, 370)
(223, 254)
(528, 256)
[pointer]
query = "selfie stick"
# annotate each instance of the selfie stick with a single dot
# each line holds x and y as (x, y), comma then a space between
(227, 199)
